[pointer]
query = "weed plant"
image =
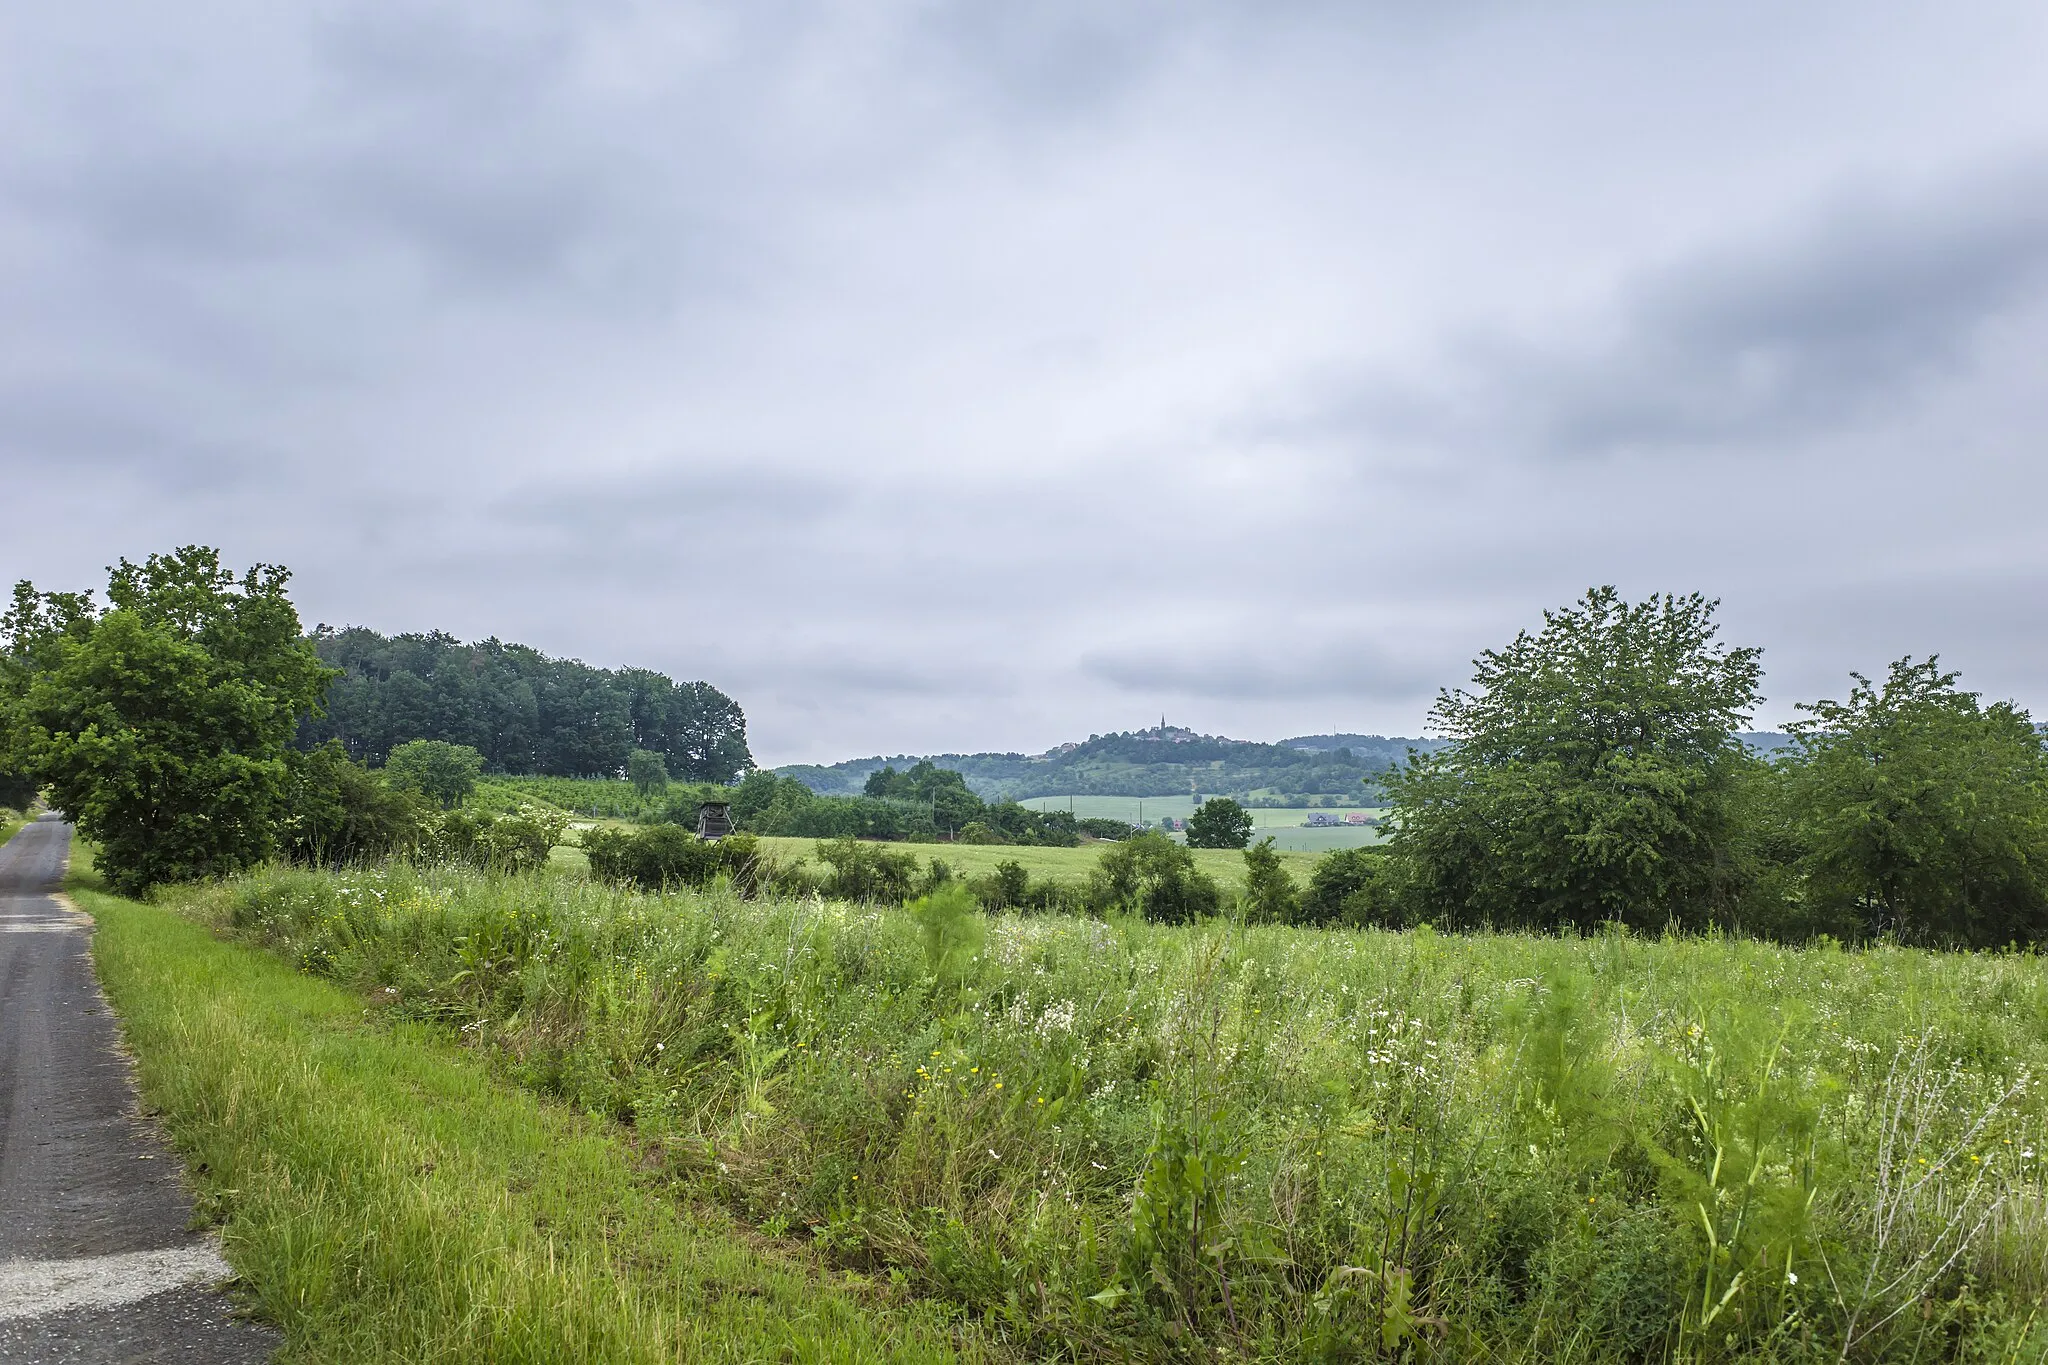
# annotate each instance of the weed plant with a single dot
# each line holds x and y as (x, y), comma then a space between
(1114, 1139)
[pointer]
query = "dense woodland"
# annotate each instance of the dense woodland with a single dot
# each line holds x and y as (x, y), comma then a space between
(522, 710)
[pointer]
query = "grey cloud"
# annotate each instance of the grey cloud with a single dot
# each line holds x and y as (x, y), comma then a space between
(1359, 670)
(1843, 315)
(924, 324)
(1844, 318)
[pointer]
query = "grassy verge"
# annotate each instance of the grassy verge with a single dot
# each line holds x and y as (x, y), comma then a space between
(384, 1199)
(10, 823)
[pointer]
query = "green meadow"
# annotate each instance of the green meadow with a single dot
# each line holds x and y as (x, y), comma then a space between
(1105, 1139)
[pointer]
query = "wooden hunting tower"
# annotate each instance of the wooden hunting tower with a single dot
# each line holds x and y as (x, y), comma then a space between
(714, 820)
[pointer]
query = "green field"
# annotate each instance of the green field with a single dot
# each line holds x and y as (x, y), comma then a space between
(1284, 824)
(1119, 1140)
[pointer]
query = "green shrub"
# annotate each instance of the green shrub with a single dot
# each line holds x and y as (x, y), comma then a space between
(1341, 889)
(1153, 875)
(868, 872)
(662, 856)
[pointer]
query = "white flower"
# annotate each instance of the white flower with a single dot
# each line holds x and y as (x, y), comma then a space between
(1791, 1278)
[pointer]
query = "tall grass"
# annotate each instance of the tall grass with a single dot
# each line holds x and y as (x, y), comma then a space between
(1119, 1139)
(385, 1200)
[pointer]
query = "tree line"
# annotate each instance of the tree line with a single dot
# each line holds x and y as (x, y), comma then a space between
(182, 724)
(922, 804)
(1593, 777)
(525, 712)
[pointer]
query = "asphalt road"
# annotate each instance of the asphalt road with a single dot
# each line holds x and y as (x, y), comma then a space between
(98, 1262)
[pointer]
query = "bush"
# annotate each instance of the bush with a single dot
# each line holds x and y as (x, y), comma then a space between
(1153, 875)
(339, 812)
(1098, 827)
(867, 872)
(442, 772)
(1342, 888)
(663, 856)
(511, 843)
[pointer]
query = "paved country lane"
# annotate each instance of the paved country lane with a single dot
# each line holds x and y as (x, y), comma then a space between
(97, 1259)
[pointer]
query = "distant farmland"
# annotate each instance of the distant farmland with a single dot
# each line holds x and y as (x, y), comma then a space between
(1285, 825)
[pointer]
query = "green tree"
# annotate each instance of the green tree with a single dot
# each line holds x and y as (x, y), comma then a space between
(1155, 876)
(1342, 888)
(1270, 896)
(1220, 823)
(337, 811)
(646, 771)
(442, 772)
(1592, 775)
(162, 723)
(17, 790)
(1920, 812)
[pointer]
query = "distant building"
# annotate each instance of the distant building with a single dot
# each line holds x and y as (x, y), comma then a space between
(1321, 819)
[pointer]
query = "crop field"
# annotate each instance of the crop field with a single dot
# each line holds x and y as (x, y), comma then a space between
(1283, 824)
(1117, 1140)
(608, 798)
(1053, 864)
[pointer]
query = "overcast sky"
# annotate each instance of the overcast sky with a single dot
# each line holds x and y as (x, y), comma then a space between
(943, 376)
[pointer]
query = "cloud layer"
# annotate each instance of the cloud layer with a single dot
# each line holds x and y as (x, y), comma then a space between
(940, 376)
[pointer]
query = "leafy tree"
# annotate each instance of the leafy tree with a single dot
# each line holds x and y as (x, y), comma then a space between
(1342, 886)
(525, 712)
(338, 811)
(1008, 885)
(1270, 896)
(1102, 827)
(646, 771)
(442, 772)
(1220, 823)
(868, 872)
(1592, 775)
(162, 723)
(17, 790)
(1920, 812)
(1152, 874)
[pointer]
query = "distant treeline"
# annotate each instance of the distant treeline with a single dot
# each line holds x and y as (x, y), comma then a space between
(522, 710)
(921, 804)
(1157, 762)
(1306, 770)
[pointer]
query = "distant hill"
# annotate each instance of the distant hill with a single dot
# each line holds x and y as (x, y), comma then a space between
(1162, 761)
(1167, 761)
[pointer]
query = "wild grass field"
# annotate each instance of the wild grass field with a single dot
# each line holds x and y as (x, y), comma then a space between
(1117, 1140)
